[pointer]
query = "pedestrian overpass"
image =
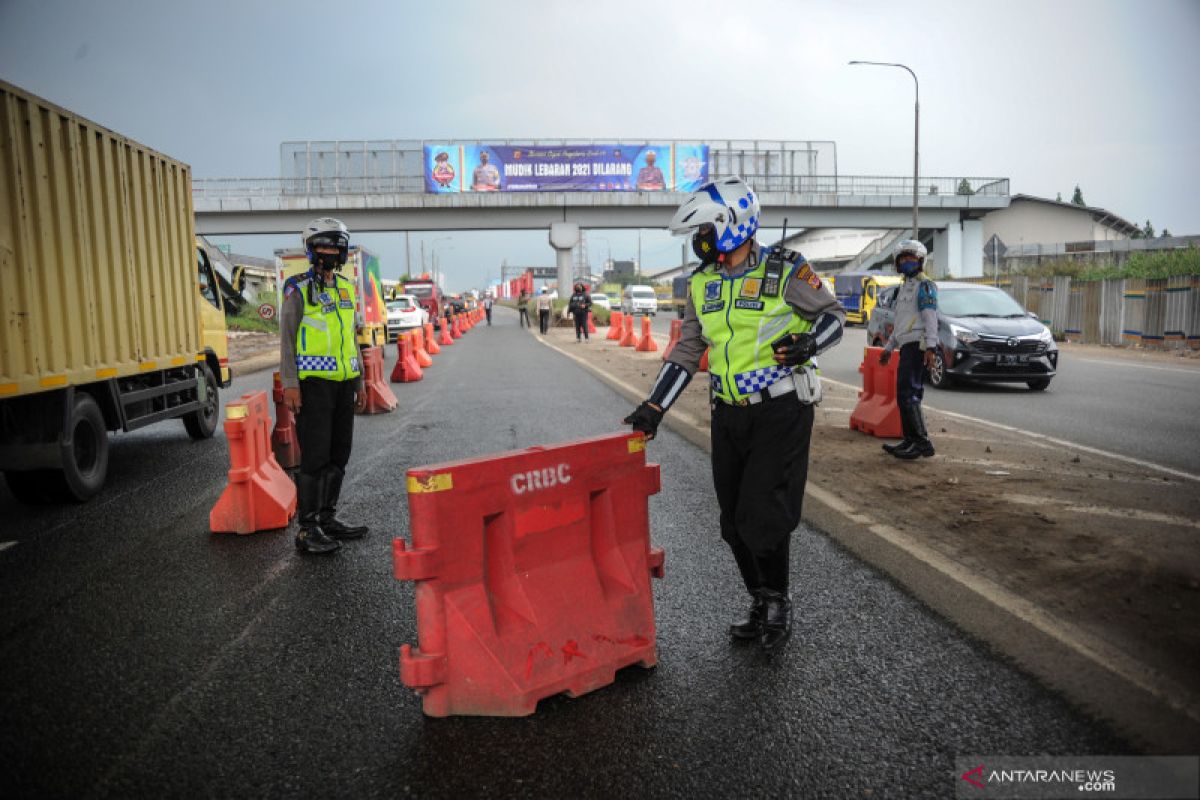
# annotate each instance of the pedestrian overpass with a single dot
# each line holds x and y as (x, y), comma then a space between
(369, 197)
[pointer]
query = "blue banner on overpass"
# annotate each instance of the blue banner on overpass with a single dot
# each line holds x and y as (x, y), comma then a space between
(565, 168)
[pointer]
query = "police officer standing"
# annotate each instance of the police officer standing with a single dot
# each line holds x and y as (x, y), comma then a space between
(322, 381)
(579, 305)
(763, 314)
(915, 332)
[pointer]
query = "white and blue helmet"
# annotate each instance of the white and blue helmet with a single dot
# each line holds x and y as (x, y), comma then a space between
(729, 205)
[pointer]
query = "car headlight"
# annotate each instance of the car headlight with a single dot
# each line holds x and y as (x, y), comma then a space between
(1046, 335)
(964, 335)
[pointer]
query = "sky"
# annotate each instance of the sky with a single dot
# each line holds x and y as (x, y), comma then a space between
(1100, 93)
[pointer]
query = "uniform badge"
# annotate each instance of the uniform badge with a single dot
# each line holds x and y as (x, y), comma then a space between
(751, 287)
(749, 305)
(709, 308)
(712, 291)
(324, 299)
(806, 274)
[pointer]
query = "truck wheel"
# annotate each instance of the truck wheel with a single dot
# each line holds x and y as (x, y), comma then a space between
(202, 423)
(85, 462)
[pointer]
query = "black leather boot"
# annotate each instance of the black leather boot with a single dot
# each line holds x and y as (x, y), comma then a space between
(777, 625)
(310, 538)
(750, 626)
(906, 430)
(331, 486)
(920, 447)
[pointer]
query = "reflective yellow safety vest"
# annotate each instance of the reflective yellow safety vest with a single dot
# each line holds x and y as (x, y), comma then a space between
(325, 342)
(739, 324)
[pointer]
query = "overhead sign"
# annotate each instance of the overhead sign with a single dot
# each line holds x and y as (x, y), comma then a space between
(994, 248)
(645, 167)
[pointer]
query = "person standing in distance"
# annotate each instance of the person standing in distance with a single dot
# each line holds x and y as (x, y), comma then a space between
(523, 310)
(915, 332)
(579, 305)
(487, 308)
(321, 372)
(544, 304)
(763, 314)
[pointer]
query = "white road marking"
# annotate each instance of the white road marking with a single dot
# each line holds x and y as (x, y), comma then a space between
(1120, 513)
(1195, 372)
(1178, 473)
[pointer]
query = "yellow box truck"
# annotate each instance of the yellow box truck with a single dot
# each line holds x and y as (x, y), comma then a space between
(110, 318)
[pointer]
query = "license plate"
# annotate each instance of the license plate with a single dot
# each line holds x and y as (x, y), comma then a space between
(1013, 359)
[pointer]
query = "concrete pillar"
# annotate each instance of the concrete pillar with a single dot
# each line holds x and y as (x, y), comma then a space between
(947, 252)
(563, 238)
(972, 248)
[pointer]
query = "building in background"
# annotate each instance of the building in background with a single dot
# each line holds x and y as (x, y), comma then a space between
(1037, 220)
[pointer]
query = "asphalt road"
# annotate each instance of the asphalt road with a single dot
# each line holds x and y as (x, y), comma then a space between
(141, 655)
(1148, 411)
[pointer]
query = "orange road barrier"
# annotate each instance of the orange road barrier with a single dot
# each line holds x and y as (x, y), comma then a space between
(260, 496)
(676, 332)
(532, 572)
(646, 344)
(614, 326)
(284, 443)
(380, 397)
(877, 412)
(591, 324)
(407, 370)
(431, 345)
(445, 338)
(423, 357)
(456, 326)
(628, 337)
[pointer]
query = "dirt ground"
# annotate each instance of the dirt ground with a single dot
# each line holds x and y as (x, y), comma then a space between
(245, 344)
(1103, 544)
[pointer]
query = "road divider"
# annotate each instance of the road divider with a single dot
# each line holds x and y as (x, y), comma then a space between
(260, 496)
(628, 337)
(646, 343)
(533, 575)
(380, 397)
(407, 370)
(614, 326)
(431, 345)
(284, 443)
(877, 413)
(422, 355)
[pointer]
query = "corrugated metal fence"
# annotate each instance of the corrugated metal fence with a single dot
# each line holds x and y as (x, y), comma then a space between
(1152, 313)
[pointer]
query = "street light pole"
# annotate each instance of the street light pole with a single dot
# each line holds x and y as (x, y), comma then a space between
(916, 131)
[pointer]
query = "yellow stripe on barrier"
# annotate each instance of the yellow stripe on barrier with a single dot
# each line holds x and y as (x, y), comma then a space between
(54, 380)
(637, 445)
(108, 372)
(434, 483)
(9, 388)
(236, 412)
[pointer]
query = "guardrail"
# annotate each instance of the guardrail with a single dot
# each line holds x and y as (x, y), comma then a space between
(841, 185)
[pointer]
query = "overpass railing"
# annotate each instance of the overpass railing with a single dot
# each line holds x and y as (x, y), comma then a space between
(844, 185)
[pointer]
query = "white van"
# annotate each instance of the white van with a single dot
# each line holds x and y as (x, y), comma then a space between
(639, 300)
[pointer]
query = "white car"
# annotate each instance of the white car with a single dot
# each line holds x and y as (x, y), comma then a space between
(404, 313)
(601, 299)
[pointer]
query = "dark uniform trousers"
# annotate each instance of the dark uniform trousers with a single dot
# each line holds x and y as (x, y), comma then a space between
(910, 375)
(325, 424)
(760, 467)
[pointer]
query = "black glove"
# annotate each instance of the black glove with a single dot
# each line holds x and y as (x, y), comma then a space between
(645, 419)
(796, 348)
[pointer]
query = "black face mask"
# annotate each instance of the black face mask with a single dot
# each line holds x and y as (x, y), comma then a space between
(327, 261)
(704, 245)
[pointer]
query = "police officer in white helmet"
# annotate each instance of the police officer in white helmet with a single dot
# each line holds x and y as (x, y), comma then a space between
(762, 314)
(915, 332)
(321, 372)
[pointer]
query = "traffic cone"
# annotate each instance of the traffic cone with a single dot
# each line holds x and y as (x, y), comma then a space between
(445, 337)
(628, 337)
(431, 345)
(646, 344)
(423, 358)
(614, 326)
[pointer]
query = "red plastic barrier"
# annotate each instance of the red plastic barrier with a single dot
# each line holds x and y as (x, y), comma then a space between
(260, 496)
(456, 326)
(591, 323)
(646, 343)
(431, 345)
(380, 397)
(877, 412)
(614, 326)
(676, 332)
(407, 370)
(423, 357)
(533, 574)
(284, 444)
(628, 337)
(446, 338)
